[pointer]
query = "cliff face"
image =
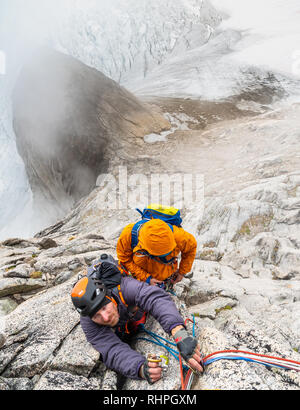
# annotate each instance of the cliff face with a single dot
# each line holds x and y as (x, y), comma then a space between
(245, 288)
(69, 120)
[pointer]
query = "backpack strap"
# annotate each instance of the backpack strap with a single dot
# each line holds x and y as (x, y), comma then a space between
(160, 259)
(164, 260)
(140, 212)
(121, 296)
(118, 296)
(135, 232)
(113, 300)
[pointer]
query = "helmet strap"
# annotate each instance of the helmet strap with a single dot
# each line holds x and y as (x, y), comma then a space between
(112, 300)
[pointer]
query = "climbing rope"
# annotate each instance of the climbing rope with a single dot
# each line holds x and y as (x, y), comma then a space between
(190, 374)
(188, 380)
(269, 361)
(157, 341)
(181, 373)
(186, 383)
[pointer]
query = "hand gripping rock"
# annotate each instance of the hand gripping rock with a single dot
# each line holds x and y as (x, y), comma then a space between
(186, 344)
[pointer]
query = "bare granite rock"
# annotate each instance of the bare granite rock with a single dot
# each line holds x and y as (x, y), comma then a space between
(244, 290)
(66, 381)
(11, 286)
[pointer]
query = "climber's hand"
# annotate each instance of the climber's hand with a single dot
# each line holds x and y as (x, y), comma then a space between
(177, 278)
(196, 360)
(152, 372)
(154, 282)
(188, 348)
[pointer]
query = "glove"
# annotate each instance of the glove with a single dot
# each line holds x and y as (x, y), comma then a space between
(186, 344)
(144, 373)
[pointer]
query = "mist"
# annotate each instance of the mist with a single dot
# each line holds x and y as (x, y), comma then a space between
(25, 25)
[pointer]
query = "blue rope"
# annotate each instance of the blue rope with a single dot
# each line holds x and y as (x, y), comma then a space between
(160, 343)
(194, 324)
(173, 352)
(155, 335)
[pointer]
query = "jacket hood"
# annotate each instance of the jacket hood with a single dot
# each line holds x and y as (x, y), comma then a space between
(157, 238)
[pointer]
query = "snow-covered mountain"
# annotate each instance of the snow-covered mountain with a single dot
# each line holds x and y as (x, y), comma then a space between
(256, 45)
(197, 48)
(126, 40)
(15, 194)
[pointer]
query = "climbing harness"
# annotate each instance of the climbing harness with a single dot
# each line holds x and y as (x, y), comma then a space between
(187, 381)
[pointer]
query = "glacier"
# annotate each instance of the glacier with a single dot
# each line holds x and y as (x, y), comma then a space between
(15, 194)
(188, 48)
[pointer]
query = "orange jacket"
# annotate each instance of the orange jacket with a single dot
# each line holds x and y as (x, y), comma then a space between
(142, 266)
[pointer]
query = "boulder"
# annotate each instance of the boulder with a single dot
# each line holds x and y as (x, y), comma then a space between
(17, 243)
(41, 323)
(12, 286)
(47, 243)
(20, 271)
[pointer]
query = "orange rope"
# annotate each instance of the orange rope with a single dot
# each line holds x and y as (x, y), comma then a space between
(188, 320)
(187, 378)
(181, 374)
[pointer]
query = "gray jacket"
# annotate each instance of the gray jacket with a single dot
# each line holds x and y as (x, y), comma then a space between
(116, 354)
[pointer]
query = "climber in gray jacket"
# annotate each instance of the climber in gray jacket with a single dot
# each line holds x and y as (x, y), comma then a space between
(109, 312)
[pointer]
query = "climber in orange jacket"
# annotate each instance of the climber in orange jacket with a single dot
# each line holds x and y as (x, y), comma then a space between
(155, 257)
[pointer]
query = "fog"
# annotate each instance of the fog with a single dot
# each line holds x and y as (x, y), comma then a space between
(24, 26)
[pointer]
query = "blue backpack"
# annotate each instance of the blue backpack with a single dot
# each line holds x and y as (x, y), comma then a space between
(167, 214)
